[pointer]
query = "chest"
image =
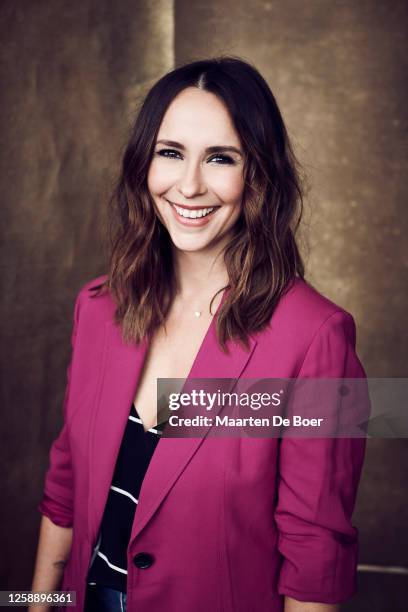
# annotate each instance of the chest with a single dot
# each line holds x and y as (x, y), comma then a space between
(171, 354)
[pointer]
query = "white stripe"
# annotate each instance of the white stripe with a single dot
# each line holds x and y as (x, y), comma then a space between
(132, 418)
(383, 569)
(156, 431)
(114, 567)
(153, 430)
(124, 493)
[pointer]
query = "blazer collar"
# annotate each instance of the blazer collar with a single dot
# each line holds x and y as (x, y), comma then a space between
(121, 368)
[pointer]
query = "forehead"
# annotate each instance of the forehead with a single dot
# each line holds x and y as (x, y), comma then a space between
(198, 116)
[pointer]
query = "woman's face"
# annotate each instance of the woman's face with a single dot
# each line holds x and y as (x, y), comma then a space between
(196, 174)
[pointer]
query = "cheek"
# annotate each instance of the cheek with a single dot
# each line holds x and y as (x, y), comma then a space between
(229, 187)
(159, 178)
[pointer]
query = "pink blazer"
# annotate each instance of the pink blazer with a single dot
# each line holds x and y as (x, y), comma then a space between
(232, 524)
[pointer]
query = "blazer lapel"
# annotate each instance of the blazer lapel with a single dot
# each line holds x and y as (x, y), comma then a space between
(121, 368)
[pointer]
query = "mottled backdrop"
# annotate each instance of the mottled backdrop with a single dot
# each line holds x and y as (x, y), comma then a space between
(71, 77)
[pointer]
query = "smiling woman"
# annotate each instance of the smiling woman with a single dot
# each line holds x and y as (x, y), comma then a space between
(209, 135)
(205, 281)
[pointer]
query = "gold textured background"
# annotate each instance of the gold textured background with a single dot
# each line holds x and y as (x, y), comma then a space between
(72, 74)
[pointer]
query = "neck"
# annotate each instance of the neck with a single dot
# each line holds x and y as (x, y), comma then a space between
(199, 275)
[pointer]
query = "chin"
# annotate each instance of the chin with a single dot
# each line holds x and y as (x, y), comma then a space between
(189, 246)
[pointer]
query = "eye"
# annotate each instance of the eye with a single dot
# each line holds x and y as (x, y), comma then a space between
(169, 153)
(222, 159)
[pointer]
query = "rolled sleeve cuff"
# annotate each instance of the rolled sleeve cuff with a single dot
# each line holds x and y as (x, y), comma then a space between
(57, 513)
(318, 570)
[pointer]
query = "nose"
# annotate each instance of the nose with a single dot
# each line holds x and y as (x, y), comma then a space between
(191, 182)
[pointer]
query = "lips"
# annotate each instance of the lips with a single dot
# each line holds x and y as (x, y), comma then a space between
(192, 215)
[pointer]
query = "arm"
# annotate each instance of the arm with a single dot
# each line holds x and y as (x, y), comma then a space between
(53, 551)
(292, 605)
(318, 480)
(56, 506)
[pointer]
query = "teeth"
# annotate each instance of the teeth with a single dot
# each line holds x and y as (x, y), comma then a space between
(193, 214)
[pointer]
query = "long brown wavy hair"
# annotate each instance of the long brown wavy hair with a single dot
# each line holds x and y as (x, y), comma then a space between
(262, 258)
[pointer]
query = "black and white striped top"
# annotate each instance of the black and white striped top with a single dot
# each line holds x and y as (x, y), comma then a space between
(109, 565)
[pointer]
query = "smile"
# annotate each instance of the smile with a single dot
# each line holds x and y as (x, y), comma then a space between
(192, 215)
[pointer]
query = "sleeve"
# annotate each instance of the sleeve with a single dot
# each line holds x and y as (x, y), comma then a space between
(317, 487)
(57, 499)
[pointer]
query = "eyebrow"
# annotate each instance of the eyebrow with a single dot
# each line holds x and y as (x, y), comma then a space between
(214, 149)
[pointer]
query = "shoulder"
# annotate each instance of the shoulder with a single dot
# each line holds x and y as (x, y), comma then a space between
(310, 335)
(303, 312)
(91, 303)
(314, 305)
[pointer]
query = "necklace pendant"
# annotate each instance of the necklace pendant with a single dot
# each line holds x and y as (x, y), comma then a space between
(197, 313)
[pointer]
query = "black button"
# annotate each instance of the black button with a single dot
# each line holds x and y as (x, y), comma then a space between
(143, 560)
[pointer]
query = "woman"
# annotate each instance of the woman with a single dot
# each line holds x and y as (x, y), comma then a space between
(205, 281)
